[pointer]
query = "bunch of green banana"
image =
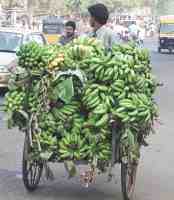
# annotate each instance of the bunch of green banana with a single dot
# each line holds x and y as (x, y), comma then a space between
(95, 95)
(72, 147)
(65, 111)
(99, 149)
(96, 45)
(14, 101)
(105, 74)
(79, 52)
(97, 120)
(143, 55)
(74, 124)
(77, 124)
(32, 56)
(91, 97)
(118, 89)
(138, 108)
(29, 55)
(103, 68)
(47, 142)
(47, 123)
(33, 103)
(127, 49)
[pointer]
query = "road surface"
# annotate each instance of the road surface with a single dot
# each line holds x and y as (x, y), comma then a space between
(156, 170)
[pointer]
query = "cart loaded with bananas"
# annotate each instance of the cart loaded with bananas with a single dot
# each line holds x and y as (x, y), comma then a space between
(81, 105)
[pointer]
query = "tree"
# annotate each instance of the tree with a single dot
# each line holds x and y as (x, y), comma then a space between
(165, 7)
(80, 6)
(73, 5)
(76, 5)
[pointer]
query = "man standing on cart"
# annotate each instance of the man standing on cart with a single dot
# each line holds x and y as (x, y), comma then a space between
(99, 16)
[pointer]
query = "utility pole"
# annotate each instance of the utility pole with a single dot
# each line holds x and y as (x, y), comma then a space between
(29, 11)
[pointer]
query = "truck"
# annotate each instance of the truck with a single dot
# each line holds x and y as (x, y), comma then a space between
(166, 33)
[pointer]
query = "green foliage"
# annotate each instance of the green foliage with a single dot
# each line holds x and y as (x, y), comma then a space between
(111, 4)
(165, 7)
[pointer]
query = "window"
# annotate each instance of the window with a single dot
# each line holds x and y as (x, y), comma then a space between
(36, 38)
(10, 41)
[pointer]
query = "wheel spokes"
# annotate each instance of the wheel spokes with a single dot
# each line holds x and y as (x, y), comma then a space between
(33, 172)
(32, 169)
(131, 173)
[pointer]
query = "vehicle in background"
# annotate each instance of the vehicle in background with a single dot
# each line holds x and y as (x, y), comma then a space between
(53, 28)
(166, 33)
(137, 37)
(126, 33)
(10, 41)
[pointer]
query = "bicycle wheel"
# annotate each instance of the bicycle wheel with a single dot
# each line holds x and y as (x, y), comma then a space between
(31, 170)
(128, 179)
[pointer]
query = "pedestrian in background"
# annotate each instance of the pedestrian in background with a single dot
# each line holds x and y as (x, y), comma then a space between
(142, 33)
(134, 30)
(69, 35)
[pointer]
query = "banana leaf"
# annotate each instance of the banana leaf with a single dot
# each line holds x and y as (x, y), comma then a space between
(78, 73)
(65, 90)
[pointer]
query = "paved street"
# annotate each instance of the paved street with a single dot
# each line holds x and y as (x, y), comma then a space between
(156, 170)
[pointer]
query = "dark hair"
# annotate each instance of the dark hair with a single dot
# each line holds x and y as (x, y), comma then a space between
(71, 23)
(99, 12)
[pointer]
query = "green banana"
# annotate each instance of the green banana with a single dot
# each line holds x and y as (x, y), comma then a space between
(93, 102)
(100, 109)
(102, 96)
(143, 114)
(121, 96)
(112, 100)
(126, 119)
(108, 102)
(127, 105)
(98, 70)
(104, 120)
(117, 89)
(119, 83)
(133, 113)
(121, 109)
(121, 115)
(91, 96)
(101, 74)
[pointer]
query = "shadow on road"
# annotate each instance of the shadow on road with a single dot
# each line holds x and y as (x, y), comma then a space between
(59, 189)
